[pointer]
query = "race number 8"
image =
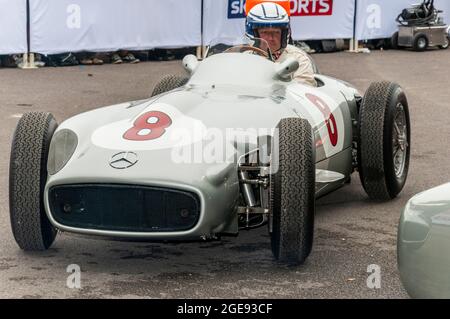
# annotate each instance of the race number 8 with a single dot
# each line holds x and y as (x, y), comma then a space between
(330, 121)
(149, 126)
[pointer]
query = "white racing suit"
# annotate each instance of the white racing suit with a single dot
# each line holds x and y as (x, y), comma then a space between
(305, 73)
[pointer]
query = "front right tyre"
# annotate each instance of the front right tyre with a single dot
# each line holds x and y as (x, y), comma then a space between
(31, 227)
(292, 191)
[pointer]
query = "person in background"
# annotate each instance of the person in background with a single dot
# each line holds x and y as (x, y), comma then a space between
(123, 56)
(88, 58)
(16, 60)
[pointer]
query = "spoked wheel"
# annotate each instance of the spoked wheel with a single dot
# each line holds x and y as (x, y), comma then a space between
(384, 140)
(400, 144)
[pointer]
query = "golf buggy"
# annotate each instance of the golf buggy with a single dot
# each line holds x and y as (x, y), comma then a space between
(421, 27)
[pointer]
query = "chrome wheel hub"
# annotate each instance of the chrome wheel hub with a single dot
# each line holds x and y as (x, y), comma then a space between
(400, 141)
(422, 43)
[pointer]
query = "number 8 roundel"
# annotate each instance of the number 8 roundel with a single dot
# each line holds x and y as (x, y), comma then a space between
(149, 126)
(329, 117)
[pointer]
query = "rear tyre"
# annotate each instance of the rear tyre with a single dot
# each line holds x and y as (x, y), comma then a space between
(292, 191)
(27, 178)
(169, 83)
(384, 140)
(420, 42)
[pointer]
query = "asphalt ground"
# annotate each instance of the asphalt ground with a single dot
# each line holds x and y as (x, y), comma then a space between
(351, 232)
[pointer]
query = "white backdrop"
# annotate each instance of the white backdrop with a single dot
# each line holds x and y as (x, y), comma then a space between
(318, 19)
(216, 23)
(107, 25)
(13, 26)
(376, 18)
(339, 25)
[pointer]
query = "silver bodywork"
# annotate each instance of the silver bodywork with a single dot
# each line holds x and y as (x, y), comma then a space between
(228, 90)
(424, 244)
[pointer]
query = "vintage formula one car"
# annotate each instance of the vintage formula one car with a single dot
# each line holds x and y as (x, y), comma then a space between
(235, 145)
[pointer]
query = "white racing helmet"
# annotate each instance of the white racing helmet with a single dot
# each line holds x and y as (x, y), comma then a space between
(268, 15)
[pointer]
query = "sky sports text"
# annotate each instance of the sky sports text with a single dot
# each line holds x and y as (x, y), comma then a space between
(298, 8)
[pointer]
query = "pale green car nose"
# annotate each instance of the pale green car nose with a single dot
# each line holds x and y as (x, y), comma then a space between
(423, 244)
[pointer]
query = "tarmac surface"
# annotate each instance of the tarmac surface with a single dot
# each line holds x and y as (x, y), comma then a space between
(351, 232)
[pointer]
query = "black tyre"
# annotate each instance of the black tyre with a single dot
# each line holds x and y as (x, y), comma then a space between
(445, 45)
(293, 191)
(420, 42)
(384, 140)
(27, 177)
(394, 41)
(169, 83)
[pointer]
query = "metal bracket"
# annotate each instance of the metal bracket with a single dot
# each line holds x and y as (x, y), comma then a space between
(247, 211)
(252, 210)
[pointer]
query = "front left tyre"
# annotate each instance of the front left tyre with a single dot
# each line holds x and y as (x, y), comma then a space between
(31, 227)
(384, 140)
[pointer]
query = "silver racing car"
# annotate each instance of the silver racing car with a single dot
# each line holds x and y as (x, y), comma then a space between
(235, 145)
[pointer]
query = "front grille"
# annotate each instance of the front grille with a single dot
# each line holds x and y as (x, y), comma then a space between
(124, 208)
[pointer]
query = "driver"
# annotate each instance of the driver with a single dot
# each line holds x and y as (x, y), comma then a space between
(270, 21)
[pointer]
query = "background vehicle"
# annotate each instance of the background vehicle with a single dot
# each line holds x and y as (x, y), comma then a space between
(424, 242)
(421, 27)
